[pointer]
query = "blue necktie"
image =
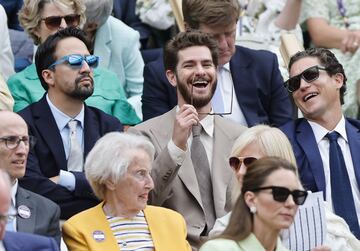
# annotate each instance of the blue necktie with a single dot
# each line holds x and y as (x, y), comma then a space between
(341, 194)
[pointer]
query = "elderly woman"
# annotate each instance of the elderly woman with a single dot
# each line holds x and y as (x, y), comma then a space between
(261, 141)
(118, 169)
(118, 46)
(41, 18)
(263, 209)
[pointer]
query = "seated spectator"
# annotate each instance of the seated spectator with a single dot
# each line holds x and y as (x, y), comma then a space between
(6, 55)
(40, 18)
(34, 213)
(262, 209)
(118, 169)
(66, 129)
(6, 100)
(336, 25)
(249, 89)
(11, 241)
(118, 46)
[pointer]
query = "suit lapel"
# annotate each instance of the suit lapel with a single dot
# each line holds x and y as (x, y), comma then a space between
(246, 93)
(26, 225)
(306, 139)
(46, 126)
(353, 135)
(91, 132)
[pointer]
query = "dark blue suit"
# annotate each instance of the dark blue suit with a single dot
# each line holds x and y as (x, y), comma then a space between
(258, 87)
(308, 156)
(15, 241)
(48, 156)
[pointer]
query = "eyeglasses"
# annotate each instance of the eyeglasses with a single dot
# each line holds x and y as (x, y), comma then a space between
(13, 142)
(236, 162)
(309, 75)
(281, 194)
(213, 113)
(54, 22)
(6, 217)
(77, 60)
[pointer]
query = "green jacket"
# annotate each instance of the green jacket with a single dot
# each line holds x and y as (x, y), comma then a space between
(108, 96)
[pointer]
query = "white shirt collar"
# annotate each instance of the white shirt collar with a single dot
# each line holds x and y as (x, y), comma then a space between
(320, 131)
(226, 66)
(61, 118)
(14, 189)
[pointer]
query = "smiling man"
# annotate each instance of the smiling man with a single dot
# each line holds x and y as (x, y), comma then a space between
(65, 127)
(325, 143)
(190, 170)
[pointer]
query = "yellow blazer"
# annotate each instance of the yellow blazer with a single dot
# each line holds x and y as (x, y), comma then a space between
(90, 230)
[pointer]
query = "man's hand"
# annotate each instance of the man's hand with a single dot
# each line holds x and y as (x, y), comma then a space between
(55, 179)
(186, 117)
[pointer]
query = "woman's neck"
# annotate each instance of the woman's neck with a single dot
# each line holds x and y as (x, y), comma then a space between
(117, 210)
(267, 238)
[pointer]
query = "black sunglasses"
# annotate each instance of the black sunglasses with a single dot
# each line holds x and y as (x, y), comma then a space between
(281, 194)
(54, 22)
(309, 75)
(236, 162)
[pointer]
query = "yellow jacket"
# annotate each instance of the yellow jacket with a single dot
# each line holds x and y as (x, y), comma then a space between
(90, 230)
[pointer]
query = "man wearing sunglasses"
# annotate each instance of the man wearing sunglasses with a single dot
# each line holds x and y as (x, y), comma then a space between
(199, 191)
(31, 213)
(65, 127)
(249, 81)
(325, 143)
(11, 241)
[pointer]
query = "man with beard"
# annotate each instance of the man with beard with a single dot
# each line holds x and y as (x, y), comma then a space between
(66, 129)
(190, 171)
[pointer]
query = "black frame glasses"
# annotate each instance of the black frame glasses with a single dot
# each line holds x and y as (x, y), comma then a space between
(6, 217)
(212, 113)
(309, 75)
(77, 61)
(13, 142)
(236, 162)
(54, 22)
(281, 194)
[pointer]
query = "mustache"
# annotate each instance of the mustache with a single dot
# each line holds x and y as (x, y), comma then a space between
(199, 78)
(84, 75)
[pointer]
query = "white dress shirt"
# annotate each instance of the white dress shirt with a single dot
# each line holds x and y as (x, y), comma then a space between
(67, 179)
(12, 208)
(323, 144)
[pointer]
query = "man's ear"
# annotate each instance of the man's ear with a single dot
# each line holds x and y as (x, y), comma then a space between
(171, 76)
(339, 79)
(48, 76)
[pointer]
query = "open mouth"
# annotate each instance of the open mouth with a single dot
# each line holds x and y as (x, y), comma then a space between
(18, 162)
(310, 96)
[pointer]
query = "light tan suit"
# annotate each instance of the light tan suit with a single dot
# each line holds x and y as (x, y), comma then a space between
(176, 187)
(6, 100)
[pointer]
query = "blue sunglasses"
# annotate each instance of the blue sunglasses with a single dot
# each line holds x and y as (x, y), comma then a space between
(76, 60)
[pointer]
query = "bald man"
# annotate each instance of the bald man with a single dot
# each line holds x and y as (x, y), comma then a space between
(11, 241)
(34, 213)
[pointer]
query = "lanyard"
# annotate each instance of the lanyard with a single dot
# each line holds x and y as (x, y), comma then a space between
(342, 11)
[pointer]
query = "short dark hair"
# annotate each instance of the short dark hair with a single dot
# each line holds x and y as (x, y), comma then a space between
(184, 40)
(328, 60)
(241, 221)
(45, 54)
(210, 12)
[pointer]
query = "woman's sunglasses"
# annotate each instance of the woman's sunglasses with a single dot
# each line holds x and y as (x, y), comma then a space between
(54, 22)
(309, 75)
(76, 60)
(281, 194)
(236, 162)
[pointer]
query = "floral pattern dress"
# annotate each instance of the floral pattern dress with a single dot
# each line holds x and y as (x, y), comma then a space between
(328, 10)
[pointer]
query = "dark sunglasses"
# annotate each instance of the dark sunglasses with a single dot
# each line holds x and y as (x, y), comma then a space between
(309, 75)
(13, 142)
(281, 194)
(76, 60)
(54, 22)
(236, 162)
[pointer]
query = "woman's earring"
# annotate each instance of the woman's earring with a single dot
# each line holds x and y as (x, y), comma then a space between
(253, 209)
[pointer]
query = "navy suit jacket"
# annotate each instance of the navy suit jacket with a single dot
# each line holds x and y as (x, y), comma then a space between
(16, 241)
(308, 156)
(48, 156)
(258, 87)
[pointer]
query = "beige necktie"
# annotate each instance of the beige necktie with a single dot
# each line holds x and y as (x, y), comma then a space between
(75, 159)
(203, 175)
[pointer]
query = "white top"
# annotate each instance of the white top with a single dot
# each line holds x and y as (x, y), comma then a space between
(323, 144)
(6, 54)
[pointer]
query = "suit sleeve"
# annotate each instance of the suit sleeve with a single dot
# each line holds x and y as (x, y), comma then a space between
(155, 95)
(73, 238)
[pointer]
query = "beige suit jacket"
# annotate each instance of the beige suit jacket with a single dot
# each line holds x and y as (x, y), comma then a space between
(176, 187)
(6, 100)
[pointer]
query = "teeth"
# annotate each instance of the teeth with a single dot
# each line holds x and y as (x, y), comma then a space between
(309, 96)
